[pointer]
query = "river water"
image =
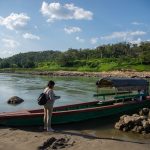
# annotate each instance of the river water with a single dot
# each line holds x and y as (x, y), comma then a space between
(28, 87)
(72, 90)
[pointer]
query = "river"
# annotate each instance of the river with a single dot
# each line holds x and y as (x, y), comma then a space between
(28, 87)
(72, 90)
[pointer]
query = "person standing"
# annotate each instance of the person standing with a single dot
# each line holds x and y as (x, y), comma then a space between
(141, 95)
(48, 107)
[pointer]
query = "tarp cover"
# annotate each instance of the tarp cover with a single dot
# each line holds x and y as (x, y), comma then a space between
(123, 83)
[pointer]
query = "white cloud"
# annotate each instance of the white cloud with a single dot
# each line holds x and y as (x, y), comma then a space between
(80, 39)
(10, 43)
(31, 36)
(137, 33)
(70, 30)
(136, 23)
(138, 41)
(7, 53)
(123, 35)
(94, 40)
(56, 11)
(14, 21)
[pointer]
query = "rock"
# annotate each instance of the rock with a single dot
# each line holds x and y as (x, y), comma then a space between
(135, 123)
(143, 117)
(136, 115)
(122, 117)
(144, 112)
(120, 125)
(135, 129)
(134, 76)
(139, 129)
(60, 143)
(131, 125)
(137, 120)
(145, 124)
(47, 143)
(127, 119)
(15, 100)
(125, 129)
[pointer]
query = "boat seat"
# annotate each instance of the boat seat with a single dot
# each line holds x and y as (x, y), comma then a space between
(107, 94)
(128, 96)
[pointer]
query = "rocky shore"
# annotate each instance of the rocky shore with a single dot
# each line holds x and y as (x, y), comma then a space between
(132, 74)
(139, 123)
(122, 73)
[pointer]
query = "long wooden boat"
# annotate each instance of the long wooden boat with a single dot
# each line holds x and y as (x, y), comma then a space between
(89, 110)
(72, 113)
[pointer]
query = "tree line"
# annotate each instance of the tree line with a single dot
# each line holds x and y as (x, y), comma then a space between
(120, 52)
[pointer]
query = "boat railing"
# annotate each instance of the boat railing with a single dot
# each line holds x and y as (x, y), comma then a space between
(133, 97)
(110, 94)
(120, 98)
(129, 96)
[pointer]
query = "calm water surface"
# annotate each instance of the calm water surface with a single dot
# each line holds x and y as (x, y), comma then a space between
(72, 90)
(28, 87)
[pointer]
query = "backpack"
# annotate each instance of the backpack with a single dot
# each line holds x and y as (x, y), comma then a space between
(42, 99)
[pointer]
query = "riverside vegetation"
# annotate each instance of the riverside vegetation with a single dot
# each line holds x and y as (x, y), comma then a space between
(120, 56)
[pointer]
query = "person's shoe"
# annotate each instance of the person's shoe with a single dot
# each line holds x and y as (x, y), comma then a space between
(50, 130)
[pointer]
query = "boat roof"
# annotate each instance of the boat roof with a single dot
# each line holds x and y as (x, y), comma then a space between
(123, 83)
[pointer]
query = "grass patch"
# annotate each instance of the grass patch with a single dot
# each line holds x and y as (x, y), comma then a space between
(107, 66)
(141, 67)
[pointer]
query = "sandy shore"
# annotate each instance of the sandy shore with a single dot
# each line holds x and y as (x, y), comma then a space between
(32, 138)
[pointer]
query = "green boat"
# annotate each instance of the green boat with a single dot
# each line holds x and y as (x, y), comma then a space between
(119, 104)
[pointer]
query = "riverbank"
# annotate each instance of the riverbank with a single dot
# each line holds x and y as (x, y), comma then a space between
(133, 74)
(33, 137)
(97, 74)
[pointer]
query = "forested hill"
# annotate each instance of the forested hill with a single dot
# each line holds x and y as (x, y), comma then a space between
(29, 59)
(106, 57)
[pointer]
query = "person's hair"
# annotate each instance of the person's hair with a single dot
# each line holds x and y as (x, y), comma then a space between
(51, 84)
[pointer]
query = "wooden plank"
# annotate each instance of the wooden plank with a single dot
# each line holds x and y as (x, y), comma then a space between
(128, 96)
(105, 94)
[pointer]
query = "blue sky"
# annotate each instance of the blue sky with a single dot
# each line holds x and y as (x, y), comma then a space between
(37, 25)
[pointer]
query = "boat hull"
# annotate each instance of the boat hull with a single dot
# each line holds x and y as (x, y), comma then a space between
(76, 113)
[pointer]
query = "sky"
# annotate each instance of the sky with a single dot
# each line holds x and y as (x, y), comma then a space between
(38, 25)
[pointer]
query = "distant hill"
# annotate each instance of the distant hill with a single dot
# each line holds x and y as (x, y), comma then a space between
(103, 58)
(21, 59)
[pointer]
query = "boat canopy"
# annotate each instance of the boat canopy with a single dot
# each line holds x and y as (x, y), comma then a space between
(123, 84)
